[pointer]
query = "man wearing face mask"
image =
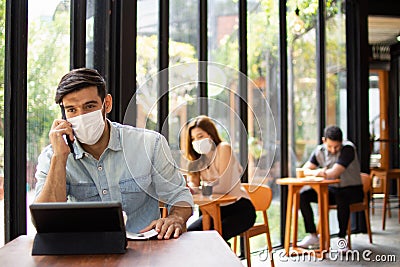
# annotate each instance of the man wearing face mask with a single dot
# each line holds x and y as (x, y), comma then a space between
(334, 159)
(110, 161)
(213, 161)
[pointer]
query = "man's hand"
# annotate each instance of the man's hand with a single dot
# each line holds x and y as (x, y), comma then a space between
(321, 172)
(58, 130)
(54, 189)
(174, 224)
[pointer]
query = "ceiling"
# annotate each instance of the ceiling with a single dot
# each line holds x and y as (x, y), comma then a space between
(383, 30)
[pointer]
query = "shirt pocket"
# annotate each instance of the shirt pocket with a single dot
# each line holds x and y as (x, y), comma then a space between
(134, 192)
(84, 192)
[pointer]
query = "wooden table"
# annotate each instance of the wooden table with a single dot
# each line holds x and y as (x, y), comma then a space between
(210, 208)
(294, 186)
(204, 248)
(386, 176)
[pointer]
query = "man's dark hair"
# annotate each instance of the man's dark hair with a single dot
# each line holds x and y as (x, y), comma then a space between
(334, 133)
(78, 79)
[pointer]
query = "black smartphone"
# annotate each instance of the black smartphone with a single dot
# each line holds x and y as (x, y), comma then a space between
(71, 147)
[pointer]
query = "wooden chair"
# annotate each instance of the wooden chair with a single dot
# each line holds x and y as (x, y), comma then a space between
(378, 188)
(386, 176)
(360, 206)
(261, 197)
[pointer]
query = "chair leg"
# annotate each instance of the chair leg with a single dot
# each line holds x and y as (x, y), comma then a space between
(368, 223)
(372, 204)
(235, 244)
(246, 242)
(349, 234)
(269, 242)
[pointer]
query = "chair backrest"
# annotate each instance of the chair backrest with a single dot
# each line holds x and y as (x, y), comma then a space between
(260, 195)
(380, 174)
(366, 180)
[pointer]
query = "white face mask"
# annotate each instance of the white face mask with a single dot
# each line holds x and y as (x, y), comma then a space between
(88, 127)
(202, 146)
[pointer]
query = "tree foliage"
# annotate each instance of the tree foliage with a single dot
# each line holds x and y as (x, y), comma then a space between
(147, 68)
(263, 55)
(48, 53)
(48, 60)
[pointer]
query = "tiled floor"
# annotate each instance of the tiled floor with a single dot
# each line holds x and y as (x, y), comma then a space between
(385, 250)
(385, 247)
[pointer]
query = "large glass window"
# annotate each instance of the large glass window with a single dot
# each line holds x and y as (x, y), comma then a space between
(48, 61)
(264, 110)
(223, 47)
(301, 19)
(183, 72)
(336, 79)
(302, 82)
(302, 73)
(336, 82)
(222, 80)
(146, 63)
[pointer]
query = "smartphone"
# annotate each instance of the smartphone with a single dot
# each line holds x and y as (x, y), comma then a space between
(71, 147)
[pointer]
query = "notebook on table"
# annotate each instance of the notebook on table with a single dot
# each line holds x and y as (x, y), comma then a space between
(78, 228)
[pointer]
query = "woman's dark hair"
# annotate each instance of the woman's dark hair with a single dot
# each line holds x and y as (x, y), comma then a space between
(207, 125)
(334, 133)
(78, 79)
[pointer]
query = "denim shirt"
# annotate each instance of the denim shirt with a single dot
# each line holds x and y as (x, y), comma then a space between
(136, 169)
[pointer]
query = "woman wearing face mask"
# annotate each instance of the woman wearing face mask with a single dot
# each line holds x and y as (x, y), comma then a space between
(212, 161)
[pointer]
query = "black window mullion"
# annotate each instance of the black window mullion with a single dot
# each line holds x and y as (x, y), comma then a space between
(101, 37)
(320, 58)
(127, 64)
(122, 57)
(114, 56)
(163, 61)
(357, 78)
(15, 112)
(284, 159)
(394, 88)
(357, 88)
(203, 58)
(78, 34)
(243, 104)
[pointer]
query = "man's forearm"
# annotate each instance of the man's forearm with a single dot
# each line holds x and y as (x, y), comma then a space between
(181, 210)
(54, 189)
(335, 171)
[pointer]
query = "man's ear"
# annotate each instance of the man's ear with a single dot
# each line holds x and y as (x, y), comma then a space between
(323, 140)
(108, 103)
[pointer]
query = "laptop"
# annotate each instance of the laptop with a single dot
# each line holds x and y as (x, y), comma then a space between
(78, 228)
